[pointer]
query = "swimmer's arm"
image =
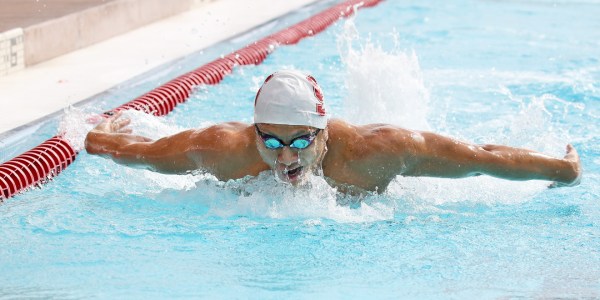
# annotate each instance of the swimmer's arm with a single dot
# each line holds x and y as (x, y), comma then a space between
(113, 139)
(429, 154)
(166, 155)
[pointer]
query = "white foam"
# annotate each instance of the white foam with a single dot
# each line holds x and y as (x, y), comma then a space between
(532, 127)
(77, 122)
(424, 193)
(150, 126)
(263, 196)
(74, 126)
(383, 87)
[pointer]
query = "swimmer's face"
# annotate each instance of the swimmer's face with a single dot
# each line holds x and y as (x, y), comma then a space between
(290, 164)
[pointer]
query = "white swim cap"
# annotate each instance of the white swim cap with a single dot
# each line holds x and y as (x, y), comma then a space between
(290, 98)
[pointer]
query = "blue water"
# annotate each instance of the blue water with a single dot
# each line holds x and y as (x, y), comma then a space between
(523, 73)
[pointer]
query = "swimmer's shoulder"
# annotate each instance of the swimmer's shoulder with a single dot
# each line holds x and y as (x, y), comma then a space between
(226, 128)
(363, 140)
(228, 134)
(353, 157)
(341, 130)
(344, 139)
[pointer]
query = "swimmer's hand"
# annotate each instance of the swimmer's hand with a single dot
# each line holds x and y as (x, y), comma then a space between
(113, 124)
(574, 167)
(111, 134)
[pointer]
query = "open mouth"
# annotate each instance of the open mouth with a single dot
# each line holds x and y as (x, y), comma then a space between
(293, 173)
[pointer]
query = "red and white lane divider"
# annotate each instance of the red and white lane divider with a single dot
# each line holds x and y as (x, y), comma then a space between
(41, 163)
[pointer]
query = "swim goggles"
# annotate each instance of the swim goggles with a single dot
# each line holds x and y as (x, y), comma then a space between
(301, 142)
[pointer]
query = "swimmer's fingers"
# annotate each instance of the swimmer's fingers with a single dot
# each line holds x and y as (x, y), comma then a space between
(114, 116)
(118, 125)
(572, 154)
(125, 130)
(575, 167)
(114, 124)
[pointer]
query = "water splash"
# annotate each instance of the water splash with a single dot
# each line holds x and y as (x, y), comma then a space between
(533, 127)
(77, 122)
(383, 87)
(265, 197)
(426, 194)
(150, 126)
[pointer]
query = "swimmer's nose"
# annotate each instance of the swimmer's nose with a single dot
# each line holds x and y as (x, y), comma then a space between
(287, 156)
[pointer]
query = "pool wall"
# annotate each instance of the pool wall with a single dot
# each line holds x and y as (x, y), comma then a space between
(41, 163)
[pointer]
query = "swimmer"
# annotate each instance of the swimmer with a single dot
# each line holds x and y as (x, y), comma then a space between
(293, 136)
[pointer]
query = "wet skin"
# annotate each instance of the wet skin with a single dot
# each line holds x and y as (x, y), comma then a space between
(352, 158)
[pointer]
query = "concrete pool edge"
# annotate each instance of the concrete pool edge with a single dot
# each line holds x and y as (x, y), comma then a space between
(45, 161)
(59, 28)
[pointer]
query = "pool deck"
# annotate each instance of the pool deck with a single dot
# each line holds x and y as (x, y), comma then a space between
(55, 53)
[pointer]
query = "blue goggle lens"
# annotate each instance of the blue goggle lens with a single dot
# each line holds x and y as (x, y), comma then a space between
(300, 143)
(272, 143)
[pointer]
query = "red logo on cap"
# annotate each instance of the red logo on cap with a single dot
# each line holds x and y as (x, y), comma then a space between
(317, 90)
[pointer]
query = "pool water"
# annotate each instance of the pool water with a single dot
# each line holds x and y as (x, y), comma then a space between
(522, 73)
